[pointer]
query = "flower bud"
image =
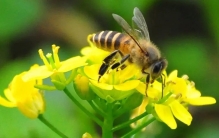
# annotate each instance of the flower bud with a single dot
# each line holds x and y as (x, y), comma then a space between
(81, 85)
(133, 101)
(86, 135)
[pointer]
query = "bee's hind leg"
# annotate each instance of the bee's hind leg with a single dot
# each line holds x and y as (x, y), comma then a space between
(108, 61)
(117, 64)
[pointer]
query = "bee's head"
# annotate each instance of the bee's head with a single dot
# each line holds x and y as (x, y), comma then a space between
(157, 67)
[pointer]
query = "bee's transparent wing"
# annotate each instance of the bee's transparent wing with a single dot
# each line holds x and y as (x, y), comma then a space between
(125, 26)
(140, 24)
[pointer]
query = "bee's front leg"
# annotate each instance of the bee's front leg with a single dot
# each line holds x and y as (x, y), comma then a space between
(163, 79)
(147, 81)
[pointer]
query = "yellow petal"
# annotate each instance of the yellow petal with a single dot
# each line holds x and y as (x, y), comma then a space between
(94, 54)
(129, 72)
(103, 86)
(155, 90)
(128, 85)
(193, 93)
(28, 110)
(41, 72)
(92, 71)
(9, 95)
(141, 109)
(180, 112)
(172, 75)
(21, 90)
(6, 103)
(86, 50)
(32, 106)
(104, 90)
(152, 92)
(98, 91)
(72, 63)
(141, 88)
(201, 101)
(178, 86)
(165, 114)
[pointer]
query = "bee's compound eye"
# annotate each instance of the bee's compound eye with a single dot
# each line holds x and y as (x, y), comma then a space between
(157, 67)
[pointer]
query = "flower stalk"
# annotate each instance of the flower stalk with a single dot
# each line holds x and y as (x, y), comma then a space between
(74, 100)
(54, 129)
(108, 123)
(125, 124)
(139, 128)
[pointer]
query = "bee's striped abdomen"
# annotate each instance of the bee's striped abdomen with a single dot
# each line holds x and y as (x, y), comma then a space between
(107, 40)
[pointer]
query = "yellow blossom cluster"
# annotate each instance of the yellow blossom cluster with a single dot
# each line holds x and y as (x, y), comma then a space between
(164, 103)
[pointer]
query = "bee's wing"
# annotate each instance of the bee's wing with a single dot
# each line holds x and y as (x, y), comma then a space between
(140, 24)
(125, 26)
(133, 33)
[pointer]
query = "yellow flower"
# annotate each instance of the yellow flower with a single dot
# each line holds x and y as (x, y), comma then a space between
(113, 85)
(24, 96)
(188, 93)
(177, 95)
(54, 68)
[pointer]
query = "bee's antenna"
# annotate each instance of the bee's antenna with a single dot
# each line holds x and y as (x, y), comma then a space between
(137, 43)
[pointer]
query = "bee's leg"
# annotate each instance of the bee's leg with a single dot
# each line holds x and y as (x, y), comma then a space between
(117, 64)
(123, 66)
(147, 81)
(106, 63)
(163, 82)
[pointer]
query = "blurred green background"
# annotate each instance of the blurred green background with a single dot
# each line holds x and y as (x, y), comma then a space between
(187, 32)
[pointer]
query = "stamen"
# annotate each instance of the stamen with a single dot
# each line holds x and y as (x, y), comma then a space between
(41, 54)
(55, 50)
(192, 83)
(49, 57)
(179, 95)
(185, 77)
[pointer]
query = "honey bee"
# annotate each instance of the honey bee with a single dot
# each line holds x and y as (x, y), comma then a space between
(133, 46)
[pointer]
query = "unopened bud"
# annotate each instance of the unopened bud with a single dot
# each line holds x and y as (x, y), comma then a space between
(81, 85)
(133, 101)
(86, 135)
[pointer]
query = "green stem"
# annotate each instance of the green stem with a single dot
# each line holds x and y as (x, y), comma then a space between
(129, 122)
(108, 123)
(119, 112)
(165, 98)
(42, 119)
(139, 128)
(97, 120)
(98, 110)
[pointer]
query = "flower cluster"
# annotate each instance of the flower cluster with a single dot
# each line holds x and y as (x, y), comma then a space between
(25, 90)
(178, 94)
(121, 89)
